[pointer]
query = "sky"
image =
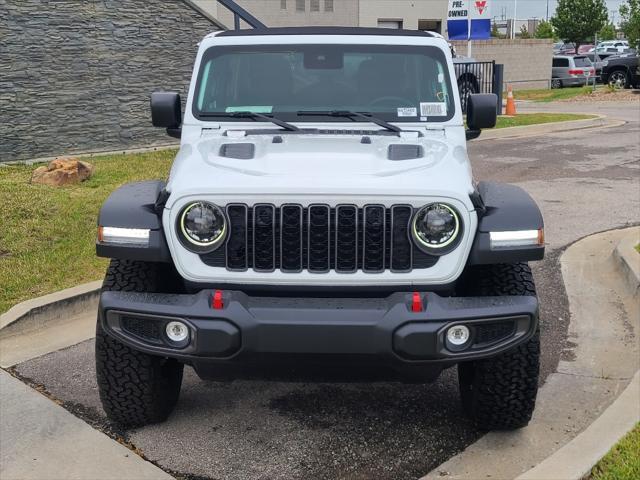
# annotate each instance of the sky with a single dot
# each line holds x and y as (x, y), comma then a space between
(538, 8)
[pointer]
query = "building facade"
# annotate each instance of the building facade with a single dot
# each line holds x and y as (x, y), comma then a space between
(410, 14)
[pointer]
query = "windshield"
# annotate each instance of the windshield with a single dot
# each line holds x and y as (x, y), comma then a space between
(394, 83)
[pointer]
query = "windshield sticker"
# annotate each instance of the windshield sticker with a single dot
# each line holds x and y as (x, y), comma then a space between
(433, 109)
(441, 78)
(407, 112)
(249, 108)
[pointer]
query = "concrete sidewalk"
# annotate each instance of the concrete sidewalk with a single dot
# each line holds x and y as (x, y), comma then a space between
(41, 440)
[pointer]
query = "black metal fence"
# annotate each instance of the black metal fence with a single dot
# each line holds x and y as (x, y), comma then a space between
(478, 77)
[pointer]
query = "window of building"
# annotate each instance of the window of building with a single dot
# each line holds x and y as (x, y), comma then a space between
(314, 6)
(328, 5)
(283, 4)
(300, 5)
(389, 23)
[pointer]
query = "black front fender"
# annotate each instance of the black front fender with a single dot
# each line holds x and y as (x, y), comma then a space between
(506, 208)
(135, 205)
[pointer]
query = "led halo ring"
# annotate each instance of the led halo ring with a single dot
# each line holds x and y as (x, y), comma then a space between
(192, 244)
(442, 248)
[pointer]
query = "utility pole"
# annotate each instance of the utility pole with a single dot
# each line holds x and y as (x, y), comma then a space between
(547, 10)
(515, 18)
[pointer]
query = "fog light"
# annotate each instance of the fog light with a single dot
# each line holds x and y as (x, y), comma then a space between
(458, 335)
(177, 331)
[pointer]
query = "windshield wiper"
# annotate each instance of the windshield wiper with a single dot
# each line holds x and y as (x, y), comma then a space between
(254, 116)
(349, 114)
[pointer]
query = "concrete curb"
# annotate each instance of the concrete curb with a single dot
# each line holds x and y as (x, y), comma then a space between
(628, 259)
(576, 459)
(52, 322)
(64, 302)
(600, 121)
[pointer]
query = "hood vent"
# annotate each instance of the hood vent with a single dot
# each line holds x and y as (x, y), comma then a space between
(405, 152)
(241, 151)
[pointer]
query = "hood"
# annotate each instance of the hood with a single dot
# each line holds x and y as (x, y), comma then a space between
(274, 165)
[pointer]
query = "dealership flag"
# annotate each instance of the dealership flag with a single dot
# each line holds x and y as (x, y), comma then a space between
(469, 20)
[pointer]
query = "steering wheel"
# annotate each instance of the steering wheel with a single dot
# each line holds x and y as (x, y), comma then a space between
(397, 101)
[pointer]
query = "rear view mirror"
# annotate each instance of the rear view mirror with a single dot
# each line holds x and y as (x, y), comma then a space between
(166, 111)
(482, 112)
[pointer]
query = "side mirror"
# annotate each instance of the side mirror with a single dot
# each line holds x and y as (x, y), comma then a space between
(166, 111)
(482, 112)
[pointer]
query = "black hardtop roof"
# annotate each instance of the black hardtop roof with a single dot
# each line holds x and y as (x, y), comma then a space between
(325, 31)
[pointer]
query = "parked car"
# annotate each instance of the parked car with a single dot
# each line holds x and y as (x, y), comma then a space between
(571, 71)
(333, 227)
(562, 48)
(621, 71)
(611, 46)
(598, 62)
(585, 49)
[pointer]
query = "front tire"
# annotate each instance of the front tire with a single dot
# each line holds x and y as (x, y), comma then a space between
(135, 388)
(499, 393)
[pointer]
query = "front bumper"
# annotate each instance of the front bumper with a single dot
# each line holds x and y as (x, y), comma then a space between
(259, 329)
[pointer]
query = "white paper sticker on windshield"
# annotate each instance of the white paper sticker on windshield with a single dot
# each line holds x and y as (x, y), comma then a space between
(441, 78)
(433, 109)
(407, 112)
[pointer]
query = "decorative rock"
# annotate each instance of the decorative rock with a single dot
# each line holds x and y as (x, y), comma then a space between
(62, 171)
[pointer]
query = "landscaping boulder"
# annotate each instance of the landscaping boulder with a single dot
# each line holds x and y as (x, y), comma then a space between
(63, 171)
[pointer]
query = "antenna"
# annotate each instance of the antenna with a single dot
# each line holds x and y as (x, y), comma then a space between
(240, 13)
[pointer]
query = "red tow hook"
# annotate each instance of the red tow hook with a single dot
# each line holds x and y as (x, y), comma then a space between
(416, 303)
(216, 301)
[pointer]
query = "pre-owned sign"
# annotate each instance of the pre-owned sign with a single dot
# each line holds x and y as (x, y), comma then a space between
(469, 20)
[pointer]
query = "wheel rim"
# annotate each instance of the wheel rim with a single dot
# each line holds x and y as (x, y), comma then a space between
(555, 84)
(618, 79)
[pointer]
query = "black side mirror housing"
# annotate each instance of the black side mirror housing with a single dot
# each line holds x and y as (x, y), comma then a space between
(482, 112)
(166, 111)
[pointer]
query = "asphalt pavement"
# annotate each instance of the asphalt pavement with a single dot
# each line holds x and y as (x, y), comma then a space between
(585, 182)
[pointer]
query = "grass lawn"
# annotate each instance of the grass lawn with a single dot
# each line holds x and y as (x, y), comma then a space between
(548, 95)
(523, 119)
(622, 462)
(47, 234)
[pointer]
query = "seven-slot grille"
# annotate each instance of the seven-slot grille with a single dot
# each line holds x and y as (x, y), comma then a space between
(319, 238)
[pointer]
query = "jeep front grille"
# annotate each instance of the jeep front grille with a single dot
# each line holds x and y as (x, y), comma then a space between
(319, 238)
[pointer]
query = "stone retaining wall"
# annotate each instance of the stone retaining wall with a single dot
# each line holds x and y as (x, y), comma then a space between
(76, 75)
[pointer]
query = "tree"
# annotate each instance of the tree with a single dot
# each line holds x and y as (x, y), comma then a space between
(524, 33)
(608, 32)
(495, 33)
(577, 20)
(630, 13)
(545, 30)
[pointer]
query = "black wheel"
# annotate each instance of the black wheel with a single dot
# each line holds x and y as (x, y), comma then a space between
(135, 388)
(467, 85)
(499, 393)
(619, 79)
(556, 83)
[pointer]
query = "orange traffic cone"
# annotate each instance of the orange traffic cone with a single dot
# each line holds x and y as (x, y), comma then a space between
(511, 104)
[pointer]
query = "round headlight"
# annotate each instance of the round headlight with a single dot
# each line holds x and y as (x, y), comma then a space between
(436, 228)
(202, 226)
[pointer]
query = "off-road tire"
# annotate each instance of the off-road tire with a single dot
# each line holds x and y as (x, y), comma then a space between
(135, 388)
(499, 393)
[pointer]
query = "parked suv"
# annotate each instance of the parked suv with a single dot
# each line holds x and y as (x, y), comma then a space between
(320, 220)
(571, 71)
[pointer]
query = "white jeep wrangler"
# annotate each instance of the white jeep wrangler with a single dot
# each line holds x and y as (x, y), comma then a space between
(320, 220)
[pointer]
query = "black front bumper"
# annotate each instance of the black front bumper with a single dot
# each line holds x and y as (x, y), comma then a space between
(371, 331)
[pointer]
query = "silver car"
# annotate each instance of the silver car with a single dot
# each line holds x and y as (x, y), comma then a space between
(571, 71)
